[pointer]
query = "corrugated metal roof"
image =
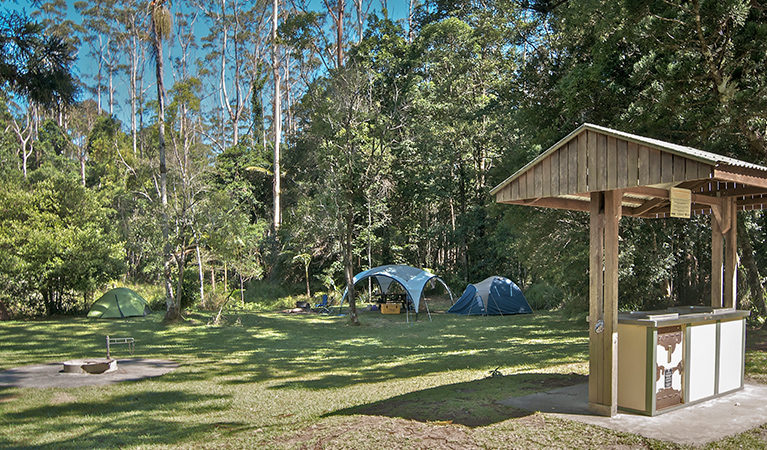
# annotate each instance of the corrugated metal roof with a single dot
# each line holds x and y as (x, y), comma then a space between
(688, 152)
(692, 153)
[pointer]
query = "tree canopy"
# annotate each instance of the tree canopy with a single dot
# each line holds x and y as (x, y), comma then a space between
(388, 134)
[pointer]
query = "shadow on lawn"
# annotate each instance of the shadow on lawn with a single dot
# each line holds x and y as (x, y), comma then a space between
(136, 419)
(473, 403)
(325, 354)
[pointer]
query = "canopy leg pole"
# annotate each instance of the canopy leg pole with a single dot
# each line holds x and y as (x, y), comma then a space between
(407, 313)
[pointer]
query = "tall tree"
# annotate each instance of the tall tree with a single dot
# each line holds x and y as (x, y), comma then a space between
(161, 25)
(276, 114)
(37, 67)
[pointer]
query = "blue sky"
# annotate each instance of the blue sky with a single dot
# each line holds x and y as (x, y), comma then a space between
(86, 65)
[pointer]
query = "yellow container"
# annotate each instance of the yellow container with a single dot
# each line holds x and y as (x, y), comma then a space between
(390, 308)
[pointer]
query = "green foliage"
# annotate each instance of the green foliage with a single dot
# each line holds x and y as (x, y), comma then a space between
(243, 172)
(388, 159)
(109, 155)
(543, 296)
(35, 65)
(55, 242)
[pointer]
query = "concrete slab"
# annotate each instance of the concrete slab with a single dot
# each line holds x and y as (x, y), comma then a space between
(696, 425)
(52, 375)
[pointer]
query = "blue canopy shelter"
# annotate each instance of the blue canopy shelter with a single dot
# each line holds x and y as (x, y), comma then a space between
(492, 296)
(411, 279)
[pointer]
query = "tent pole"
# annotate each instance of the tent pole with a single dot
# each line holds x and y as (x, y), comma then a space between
(496, 301)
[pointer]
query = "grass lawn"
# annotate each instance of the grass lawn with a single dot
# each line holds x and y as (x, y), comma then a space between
(282, 381)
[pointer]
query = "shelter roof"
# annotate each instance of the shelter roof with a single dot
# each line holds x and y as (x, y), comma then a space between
(413, 280)
(594, 158)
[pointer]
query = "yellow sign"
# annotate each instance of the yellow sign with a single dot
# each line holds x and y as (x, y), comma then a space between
(681, 202)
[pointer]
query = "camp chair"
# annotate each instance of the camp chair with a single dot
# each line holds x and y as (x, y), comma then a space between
(324, 306)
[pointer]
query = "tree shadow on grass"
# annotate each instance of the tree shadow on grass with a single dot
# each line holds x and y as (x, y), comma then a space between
(472, 404)
(7, 394)
(136, 419)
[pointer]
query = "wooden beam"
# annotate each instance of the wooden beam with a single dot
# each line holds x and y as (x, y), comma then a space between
(721, 211)
(741, 191)
(647, 191)
(703, 199)
(752, 201)
(733, 175)
(731, 257)
(649, 205)
(610, 335)
(717, 262)
(596, 293)
(552, 202)
(603, 285)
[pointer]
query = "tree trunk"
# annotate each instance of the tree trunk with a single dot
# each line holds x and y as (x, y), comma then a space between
(277, 115)
(348, 266)
(752, 271)
(242, 291)
(340, 33)
(202, 274)
(180, 265)
(4, 314)
(173, 309)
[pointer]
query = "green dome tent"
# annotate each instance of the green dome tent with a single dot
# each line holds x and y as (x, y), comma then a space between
(119, 303)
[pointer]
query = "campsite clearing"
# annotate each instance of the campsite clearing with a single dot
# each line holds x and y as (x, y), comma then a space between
(280, 381)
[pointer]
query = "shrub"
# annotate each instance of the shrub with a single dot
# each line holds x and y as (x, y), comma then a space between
(544, 296)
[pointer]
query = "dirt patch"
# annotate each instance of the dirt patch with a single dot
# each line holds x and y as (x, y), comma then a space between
(626, 447)
(298, 311)
(756, 340)
(8, 398)
(386, 432)
(547, 382)
(531, 421)
(761, 379)
(563, 381)
(62, 397)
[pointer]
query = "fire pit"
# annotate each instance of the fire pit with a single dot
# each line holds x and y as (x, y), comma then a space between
(92, 366)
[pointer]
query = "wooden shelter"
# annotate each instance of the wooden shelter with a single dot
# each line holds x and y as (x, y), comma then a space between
(612, 174)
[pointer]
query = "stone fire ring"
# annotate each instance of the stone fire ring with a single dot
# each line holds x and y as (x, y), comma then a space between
(92, 366)
(75, 373)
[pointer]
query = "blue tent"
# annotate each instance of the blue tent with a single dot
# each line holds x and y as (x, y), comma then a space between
(492, 296)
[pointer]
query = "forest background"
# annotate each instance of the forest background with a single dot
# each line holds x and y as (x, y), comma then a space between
(289, 147)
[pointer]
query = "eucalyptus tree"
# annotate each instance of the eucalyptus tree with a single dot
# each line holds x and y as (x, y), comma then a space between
(97, 27)
(130, 18)
(160, 29)
(457, 123)
(351, 121)
(276, 115)
(235, 51)
(190, 160)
